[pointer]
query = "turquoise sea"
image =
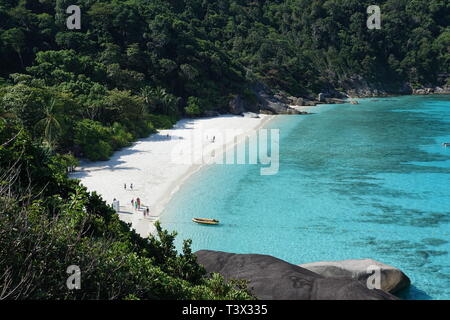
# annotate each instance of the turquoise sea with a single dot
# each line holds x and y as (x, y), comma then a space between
(355, 181)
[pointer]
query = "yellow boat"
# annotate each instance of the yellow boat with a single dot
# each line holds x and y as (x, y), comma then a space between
(205, 221)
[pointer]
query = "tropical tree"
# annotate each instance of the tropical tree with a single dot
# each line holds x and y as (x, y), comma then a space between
(50, 124)
(15, 38)
(147, 95)
(193, 107)
(164, 102)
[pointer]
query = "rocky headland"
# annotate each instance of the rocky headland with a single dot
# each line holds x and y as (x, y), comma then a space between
(274, 279)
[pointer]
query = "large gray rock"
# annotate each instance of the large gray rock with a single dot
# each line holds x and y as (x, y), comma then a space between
(274, 279)
(296, 101)
(442, 90)
(273, 104)
(237, 105)
(392, 279)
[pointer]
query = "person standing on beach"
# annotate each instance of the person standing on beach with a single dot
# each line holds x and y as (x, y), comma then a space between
(125, 186)
(131, 186)
(132, 203)
(138, 203)
(147, 211)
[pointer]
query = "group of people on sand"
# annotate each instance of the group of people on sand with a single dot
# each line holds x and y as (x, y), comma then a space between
(136, 205)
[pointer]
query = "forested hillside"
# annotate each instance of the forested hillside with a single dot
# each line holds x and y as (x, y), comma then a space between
(96, 89)
(139, 65)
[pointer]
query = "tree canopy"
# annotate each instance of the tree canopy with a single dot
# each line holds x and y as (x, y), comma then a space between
(139, 65)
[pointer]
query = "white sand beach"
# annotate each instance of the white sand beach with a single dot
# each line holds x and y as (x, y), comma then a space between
(149, 165)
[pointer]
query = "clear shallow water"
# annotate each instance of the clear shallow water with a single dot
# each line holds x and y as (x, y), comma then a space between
(355, 181)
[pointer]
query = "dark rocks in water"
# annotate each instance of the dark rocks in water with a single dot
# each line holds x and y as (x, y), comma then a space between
(274, 279)
(334, 101)
(296, 101)
(331, 96)
(442, 90)
(392, 279)
(268, 102)
(423, 91)
(432, 90)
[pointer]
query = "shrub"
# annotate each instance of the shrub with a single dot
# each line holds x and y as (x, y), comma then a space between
(193, 107)
(162, 121)
(92, 137)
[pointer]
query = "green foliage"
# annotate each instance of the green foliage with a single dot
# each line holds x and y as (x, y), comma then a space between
(137, 66)
(38, 245)
(193, 107)
(48, 222)
(92, 137)
(162, 121)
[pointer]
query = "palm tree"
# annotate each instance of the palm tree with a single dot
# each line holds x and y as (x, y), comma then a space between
(147, 95)
(167, 102)
(158, 99)
(50, 124)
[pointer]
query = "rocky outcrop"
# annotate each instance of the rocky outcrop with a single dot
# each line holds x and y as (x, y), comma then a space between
(274, 104)
(266, 101)
(357, 86)
(321, 97)
(274, 279)
(442, 90)
(237, 105)
(334, 101)
(432, 90)
(391, 279)
(296, 101)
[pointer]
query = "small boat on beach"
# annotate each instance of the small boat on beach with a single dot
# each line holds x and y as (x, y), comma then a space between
(205, 221)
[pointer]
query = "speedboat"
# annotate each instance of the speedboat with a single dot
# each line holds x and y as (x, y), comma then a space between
(205, 221)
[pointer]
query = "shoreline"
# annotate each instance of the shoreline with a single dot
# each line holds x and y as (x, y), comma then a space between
(156, 179)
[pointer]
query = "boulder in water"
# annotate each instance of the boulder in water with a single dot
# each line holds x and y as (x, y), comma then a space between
(392, 279)
(274, 279)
